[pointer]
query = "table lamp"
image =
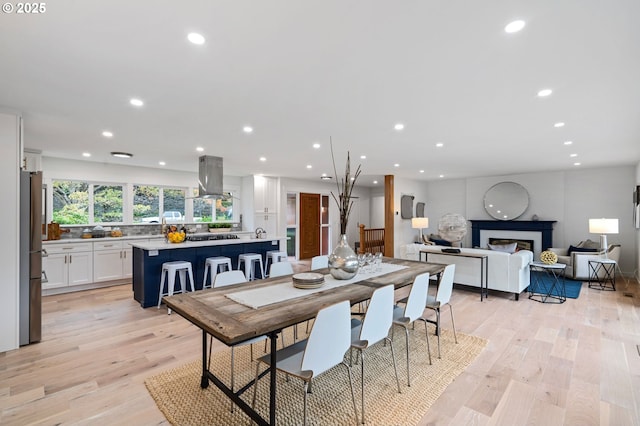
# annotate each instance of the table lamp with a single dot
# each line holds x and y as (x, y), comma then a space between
(420, 223)
(603, 227)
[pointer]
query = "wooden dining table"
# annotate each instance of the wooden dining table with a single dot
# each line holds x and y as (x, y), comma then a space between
(231, 322)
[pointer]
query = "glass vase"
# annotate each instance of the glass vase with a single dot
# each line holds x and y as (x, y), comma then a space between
(343, 262)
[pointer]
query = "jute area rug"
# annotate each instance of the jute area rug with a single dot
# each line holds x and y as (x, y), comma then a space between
(178, 394)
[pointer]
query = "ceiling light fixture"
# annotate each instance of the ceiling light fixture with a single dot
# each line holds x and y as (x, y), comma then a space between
(316, 145)
(309, 166)
(121, 154)
(263, 158)
(162, 163)
(559, 124)
(247, 129)
(325, 177)
(439, 145)
(573, 155)
(568, 142)
(576, 164)
(544, 93)
(514, 27)
(86, 154)
(136, 102)
(363, 157)
(375, 182)
(441, 176)
(399, 126)
(199, 149)
(107, 134)
(196, 38)
(396, 165)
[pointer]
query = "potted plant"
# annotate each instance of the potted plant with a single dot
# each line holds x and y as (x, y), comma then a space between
(220, 227)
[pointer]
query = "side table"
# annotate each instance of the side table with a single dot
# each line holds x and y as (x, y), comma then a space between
(547, 285)
(606, 267)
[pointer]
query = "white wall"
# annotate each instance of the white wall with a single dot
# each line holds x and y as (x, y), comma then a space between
(9, 217)
(568, 197)
(403, 232)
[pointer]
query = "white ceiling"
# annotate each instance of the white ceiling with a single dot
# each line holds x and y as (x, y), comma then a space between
(300, 72)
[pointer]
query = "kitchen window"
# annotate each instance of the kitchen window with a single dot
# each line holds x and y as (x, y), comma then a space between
(82, 203)
(212, 210)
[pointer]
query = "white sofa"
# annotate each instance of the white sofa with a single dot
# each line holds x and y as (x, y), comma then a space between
(507, 272)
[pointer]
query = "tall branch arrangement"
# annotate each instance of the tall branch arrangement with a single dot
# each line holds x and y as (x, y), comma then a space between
(345, 188)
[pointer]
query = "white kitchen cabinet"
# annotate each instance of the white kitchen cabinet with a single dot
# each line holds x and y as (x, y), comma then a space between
(112, 260)
(68, 265)
(265, 195)
(268, 222)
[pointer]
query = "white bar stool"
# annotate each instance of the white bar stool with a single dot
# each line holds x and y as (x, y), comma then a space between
(275, 256)
(249, 259)
(169, 270)
(212, 263)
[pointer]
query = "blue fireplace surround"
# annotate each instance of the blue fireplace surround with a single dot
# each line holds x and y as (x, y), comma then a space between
(543, 226)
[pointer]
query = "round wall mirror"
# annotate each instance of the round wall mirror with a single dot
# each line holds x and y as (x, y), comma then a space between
(506, 200)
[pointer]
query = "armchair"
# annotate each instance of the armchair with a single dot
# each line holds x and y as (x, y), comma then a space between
(578, 262)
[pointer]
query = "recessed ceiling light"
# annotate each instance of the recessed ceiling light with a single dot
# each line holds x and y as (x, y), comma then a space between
(375, 182)
(107, 134)
(86, 154)
(309, 166)
(199, 149)
(441, 176)
(162, 163)
(559, 124)
(325, 177)
(121, 154)
(196, 38)
(247, 129)
(421, 171)
(544, 93)
(573, 155)
(136, 102)
(439, 145)
(576, 164)
(399, 126)
(263, 158)
(396, 165)
(316, 145)
(568, 142)
(514, 27)
(363, 157)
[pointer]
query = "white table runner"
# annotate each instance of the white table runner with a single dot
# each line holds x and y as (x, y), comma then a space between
(258, 297)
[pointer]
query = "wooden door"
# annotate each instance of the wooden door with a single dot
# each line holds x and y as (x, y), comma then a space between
(309, 225)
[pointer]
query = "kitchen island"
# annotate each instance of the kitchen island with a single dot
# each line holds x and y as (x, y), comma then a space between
(148, 259)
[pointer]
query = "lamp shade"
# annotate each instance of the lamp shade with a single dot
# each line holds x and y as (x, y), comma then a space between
(603, 226)
(419, 222)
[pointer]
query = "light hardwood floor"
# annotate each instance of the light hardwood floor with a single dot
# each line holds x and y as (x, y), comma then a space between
(573, 364)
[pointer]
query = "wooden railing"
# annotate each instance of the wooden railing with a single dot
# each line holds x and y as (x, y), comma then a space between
(371, 240)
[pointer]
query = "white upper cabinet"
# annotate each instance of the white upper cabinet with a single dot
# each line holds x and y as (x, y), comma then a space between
(265, 195)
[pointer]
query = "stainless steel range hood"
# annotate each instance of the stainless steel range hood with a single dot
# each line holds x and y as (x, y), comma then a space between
(210, 177)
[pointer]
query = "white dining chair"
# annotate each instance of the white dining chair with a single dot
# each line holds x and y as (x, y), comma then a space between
(412, 311)
(324, 349)
(319, 262)
(224, 279)
(443, 297)
(374, 328)
(279, 269)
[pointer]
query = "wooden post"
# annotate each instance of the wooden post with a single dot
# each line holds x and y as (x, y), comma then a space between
(388, 215)
(362, 239)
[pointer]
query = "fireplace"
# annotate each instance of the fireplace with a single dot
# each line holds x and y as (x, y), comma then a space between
(540, 231)
(522, 244)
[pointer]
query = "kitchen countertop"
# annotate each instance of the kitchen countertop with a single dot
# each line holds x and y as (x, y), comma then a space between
(90, 240)
(163, 245)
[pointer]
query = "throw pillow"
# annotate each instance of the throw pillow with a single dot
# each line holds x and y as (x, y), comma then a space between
(439, 242)
(507, 248)
(581, 250)
(589, 244)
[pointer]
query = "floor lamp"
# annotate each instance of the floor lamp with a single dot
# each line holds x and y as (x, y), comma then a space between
(420, 223)
(603, 227)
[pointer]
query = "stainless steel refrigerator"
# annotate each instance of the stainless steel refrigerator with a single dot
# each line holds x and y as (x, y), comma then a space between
(30, 257)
